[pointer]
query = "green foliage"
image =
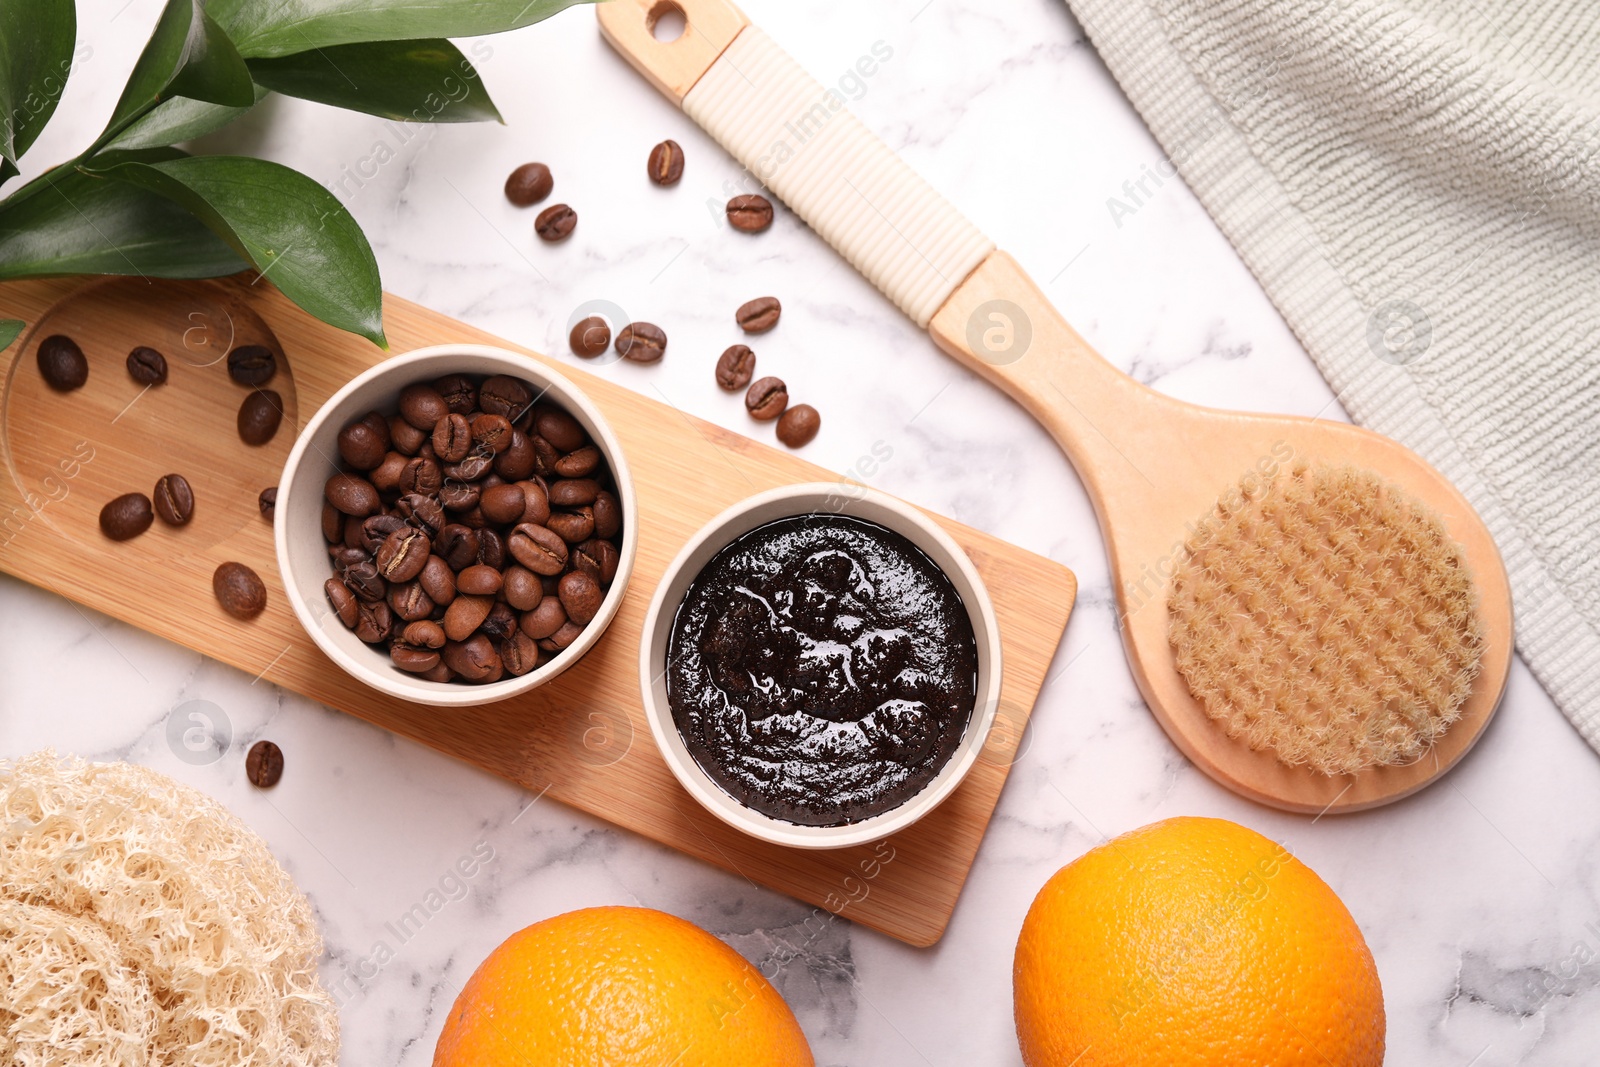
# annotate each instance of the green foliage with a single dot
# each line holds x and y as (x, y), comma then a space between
(132, 204)
(9, 329)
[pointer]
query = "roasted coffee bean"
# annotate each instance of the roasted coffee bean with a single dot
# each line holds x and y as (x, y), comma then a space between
(459, 393)
(252, 365)
(642, 342)
(403, 554)
(239, 590)
(607, 515)
(465, 613)
(457, 495)
(259, 417)
(421, 475)
(573, 526)
(348, 556)
(580, 596)
(579, 463)
(519, 653)
(503, 503)
(555, 223)
(374, 621)
(263, 764)
(758, 315)
(799, 425)
(342, 600)
(537, 548)
(529, 184)
(474, 659)
(766, 399)
(666, 163)
(424, 633)
(590, 337)
(352, 495)
(421, 406)
(412, 659)
(573, 492)
(267, 501)
(440, 673)
(491, 433)
(409, 602)
(546, 618)
(173, 500)
(479, 580)
(423, 512)
(517, 461)
(405, 438)
(355, 534)
(62, 364)
(599, 558)
(750, 213)
(452, 438)
(365, 581)
(491, 548)
(332, 522)
(470, 469)
(147, 366)
(565, 636)
(522, 588)
(545, 456)
(385, 477)
(564, 432)
(438, 581)
(129, 515)
(536, 500)
(500, 623)
(458, 544)
(362, 445)
(504, 395)
(736, 367)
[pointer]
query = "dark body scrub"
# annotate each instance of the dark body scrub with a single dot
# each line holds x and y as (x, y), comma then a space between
(822, 669)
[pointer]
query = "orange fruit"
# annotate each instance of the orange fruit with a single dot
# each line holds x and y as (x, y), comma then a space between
(619, 987)
(1190, 942)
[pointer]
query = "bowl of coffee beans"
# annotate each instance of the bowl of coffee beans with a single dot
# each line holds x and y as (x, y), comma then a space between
(456, 525)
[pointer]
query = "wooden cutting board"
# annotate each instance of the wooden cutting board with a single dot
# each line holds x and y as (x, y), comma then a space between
(583, 738)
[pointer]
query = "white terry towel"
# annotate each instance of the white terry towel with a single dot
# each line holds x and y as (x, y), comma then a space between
(1416, 184)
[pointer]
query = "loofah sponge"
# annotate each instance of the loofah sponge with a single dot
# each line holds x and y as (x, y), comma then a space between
(1328, 617)
(141, 923)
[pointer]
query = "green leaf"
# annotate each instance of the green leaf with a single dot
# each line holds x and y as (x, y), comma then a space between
(179, 119)
(188, 55)
(283, 27)
(416, 81)
(76, 224)
(9, 328)
(36, 38)
(292, 229)
(8, 170)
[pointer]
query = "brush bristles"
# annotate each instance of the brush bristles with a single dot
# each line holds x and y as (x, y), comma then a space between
(1326, 616)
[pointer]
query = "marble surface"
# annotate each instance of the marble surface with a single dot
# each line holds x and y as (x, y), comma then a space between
(1478, 897)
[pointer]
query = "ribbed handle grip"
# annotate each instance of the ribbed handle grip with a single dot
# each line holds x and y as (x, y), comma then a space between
(800, 141)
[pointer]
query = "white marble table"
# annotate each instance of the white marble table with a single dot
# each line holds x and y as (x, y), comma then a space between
(1479, 897)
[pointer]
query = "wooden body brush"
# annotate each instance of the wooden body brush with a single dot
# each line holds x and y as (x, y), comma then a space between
(1318, 619)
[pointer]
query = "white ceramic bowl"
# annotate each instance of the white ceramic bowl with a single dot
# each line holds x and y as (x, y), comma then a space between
(302, 552)
(817, 498)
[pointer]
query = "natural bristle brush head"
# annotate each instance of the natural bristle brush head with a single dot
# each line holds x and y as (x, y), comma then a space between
(1326, 616)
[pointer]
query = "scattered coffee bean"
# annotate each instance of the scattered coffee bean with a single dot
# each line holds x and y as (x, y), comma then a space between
(259, 417)
(239, 590)
(173, 500)
(263, 765)
(750, 213)
(529, 184)
(129, 515)
(759, 315)
(799, 425)
(252, 365)
(555, 223)
(268, 502)
(666, 163)
(147, 366)
(62, 364)
(590, 337)
(766, 399)
(736, 367)
(642, 342)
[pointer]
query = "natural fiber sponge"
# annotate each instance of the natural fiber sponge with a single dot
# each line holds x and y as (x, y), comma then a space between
(1327, 616)
(141, 923)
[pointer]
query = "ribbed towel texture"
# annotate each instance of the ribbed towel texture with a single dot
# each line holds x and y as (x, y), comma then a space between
(1416, 184)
